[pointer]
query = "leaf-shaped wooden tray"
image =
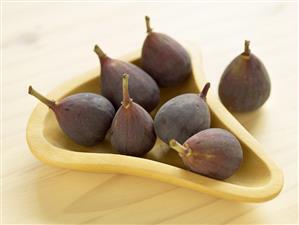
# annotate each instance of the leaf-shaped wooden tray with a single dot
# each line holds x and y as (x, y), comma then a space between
(258, 179)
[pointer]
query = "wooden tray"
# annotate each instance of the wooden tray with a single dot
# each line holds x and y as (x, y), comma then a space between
(258, 179)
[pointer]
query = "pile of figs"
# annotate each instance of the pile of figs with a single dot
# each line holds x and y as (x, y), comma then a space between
(129, 93)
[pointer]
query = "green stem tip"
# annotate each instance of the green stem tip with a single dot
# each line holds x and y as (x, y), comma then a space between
(148, 24)
(246, 48)
(126, 96)
(99, 52)
(205, 90)
(42, 98)
(181, 149)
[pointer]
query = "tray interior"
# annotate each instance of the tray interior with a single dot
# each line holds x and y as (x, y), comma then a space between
(160, 151)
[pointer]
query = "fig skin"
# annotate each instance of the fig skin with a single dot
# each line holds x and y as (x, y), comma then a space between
(85, 117)
(214, 153)
(143, 88)
(164, 58)
(245, 84)
(132, 130)
(183, 116)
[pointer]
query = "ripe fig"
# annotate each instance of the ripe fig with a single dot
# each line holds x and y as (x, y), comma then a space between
(164, 58)
(245, 84)
(132, 130)
(143, 88)
(214, 153)
(84, 117)
(182, 116)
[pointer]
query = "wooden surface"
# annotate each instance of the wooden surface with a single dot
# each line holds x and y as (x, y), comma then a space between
(46, 44)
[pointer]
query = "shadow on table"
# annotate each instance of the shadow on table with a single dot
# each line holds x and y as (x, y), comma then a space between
(77, 197)
(252, 121)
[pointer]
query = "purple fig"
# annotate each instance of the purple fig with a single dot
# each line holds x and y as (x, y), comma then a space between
(182, 116)
(164, 58)
(132, 130)
(214, 153)
(84, 117)
(144, 90)
(245, 84)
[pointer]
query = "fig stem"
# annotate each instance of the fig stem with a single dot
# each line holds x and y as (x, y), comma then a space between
(181, 149)
(148, 25)
(246, 48)
(205, 90)
(126, 96)
(99, 52)
(42, 98)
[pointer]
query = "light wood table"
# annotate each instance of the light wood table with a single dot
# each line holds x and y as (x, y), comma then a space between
(45, 44)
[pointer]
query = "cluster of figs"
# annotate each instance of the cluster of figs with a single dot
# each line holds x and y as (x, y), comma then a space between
(129, 93)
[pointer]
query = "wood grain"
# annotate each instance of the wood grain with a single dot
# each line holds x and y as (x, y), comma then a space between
(45, 44)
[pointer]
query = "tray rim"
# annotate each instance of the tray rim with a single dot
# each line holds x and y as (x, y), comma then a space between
(60, 157)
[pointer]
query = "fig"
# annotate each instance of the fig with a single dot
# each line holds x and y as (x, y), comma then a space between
(164, 58)
(143, 88)
(182, 116)
(214, 153)
(85, 117)
(245, 84)
(132, 130)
